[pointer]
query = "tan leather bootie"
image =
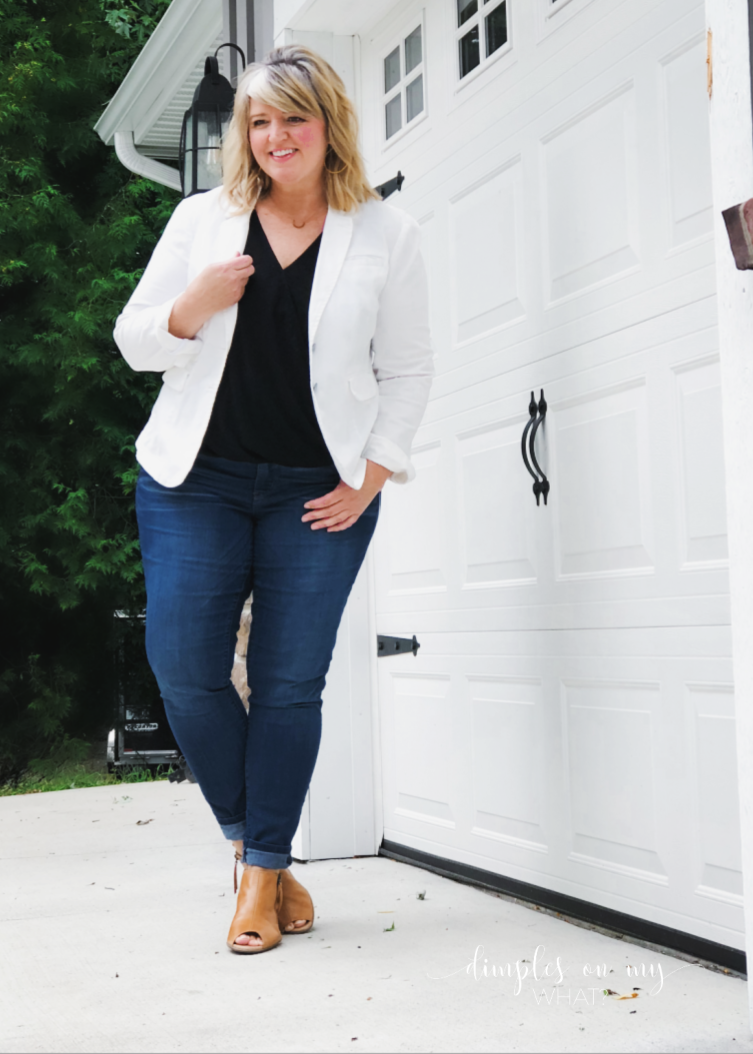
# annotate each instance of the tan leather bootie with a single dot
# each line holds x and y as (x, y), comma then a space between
(260, 899)
(296, 905)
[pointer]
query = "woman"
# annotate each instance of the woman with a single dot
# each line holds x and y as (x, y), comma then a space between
(287, 312)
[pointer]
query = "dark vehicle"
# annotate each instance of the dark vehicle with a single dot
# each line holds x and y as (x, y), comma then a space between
(142, 737)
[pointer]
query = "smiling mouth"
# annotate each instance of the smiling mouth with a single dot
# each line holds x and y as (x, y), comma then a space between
(282, 155)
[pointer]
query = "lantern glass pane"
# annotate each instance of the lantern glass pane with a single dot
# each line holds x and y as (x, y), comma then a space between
(209, 129)
(209, 170)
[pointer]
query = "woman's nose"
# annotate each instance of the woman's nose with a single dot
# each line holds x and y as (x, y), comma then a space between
(277, 131)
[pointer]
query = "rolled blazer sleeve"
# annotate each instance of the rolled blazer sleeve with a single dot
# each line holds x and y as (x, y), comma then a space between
(141, 330)
(402, 359)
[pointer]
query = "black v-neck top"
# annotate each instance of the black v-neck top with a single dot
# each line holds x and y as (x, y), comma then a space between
(263, 411)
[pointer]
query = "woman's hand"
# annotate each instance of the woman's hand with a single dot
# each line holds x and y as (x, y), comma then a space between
(218, 286)
(340, 509)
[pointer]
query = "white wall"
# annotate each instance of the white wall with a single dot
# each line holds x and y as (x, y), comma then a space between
(732, 171)
(339, 816)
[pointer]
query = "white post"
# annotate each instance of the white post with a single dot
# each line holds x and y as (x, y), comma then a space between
(732, 173)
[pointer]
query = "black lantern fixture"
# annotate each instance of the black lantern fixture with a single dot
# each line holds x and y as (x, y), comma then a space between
(204, 125)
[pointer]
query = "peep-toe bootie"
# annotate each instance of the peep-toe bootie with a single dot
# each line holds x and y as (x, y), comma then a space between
(260, 899)
(297, 905)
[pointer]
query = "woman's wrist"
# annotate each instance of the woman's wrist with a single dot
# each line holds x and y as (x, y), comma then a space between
(186, 318)
(376, 474)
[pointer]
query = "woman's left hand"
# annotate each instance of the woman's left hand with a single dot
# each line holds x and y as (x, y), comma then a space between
(340, 509)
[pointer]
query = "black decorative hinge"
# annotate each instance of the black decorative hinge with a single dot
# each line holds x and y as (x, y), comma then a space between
(396, 183)
(395, 645)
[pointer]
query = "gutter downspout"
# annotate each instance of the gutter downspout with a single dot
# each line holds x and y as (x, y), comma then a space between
(129, 156)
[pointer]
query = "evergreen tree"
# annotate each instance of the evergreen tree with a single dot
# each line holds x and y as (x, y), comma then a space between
(75, 232)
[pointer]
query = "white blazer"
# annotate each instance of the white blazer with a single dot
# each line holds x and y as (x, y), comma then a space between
(369, 350)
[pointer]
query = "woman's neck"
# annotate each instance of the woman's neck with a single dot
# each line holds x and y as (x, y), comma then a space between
(294, 200)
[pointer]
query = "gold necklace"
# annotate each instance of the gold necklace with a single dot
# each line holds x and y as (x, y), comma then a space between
(299, 226)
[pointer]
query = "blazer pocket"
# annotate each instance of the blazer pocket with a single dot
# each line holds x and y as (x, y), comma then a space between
(364, 385)
(176, 377)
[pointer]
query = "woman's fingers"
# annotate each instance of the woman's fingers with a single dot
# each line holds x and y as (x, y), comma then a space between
(319, 515)
(335, 511)
(321, 506)
(343, 526)
(333, 520)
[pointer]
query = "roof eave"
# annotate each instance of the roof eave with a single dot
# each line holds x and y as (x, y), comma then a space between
(167, 58)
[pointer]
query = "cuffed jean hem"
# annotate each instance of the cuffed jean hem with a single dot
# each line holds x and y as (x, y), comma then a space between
(273, 860)
(234, 832)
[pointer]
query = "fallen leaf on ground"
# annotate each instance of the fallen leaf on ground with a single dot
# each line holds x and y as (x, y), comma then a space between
(633, 995)
(143, 823)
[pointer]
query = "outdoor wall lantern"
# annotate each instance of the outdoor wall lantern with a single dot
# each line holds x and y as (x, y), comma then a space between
(204, 124)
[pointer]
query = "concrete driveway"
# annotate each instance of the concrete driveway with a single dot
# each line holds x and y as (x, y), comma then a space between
(116, 903)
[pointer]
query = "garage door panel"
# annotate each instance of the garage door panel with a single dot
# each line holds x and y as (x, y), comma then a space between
(509, 776)
(486, 239)
(568, 718)
(496, 525)
(687, 142)
(416, 544)
(603, 508)
(591, 196)
(713, 761)
(703, 507)
(610, 755)
(596, 820)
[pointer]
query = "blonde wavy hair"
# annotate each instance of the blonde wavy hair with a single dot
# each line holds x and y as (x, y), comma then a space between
(295, 79)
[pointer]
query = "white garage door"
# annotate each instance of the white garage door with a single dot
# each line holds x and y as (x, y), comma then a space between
(569, 718)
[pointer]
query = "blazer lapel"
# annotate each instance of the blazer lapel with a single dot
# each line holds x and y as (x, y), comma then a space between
(231, 238)
(336, 235)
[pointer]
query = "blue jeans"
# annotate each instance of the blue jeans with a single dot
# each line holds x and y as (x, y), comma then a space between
(230, 528)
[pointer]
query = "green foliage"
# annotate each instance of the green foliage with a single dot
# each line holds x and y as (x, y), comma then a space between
(75, 232)
(134, 19)
(69, 765)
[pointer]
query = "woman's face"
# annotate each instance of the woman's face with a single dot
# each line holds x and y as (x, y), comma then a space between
(289, 147)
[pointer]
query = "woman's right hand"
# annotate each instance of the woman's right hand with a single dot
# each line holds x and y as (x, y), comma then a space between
(218, 286)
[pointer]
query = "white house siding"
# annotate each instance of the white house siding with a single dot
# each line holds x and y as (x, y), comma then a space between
(569, 720)
(730, 112)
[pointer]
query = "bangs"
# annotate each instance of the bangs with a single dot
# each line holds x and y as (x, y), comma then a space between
(285, 88)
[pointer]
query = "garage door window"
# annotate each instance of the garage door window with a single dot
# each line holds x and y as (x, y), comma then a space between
(404, 93)
(481, 32)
